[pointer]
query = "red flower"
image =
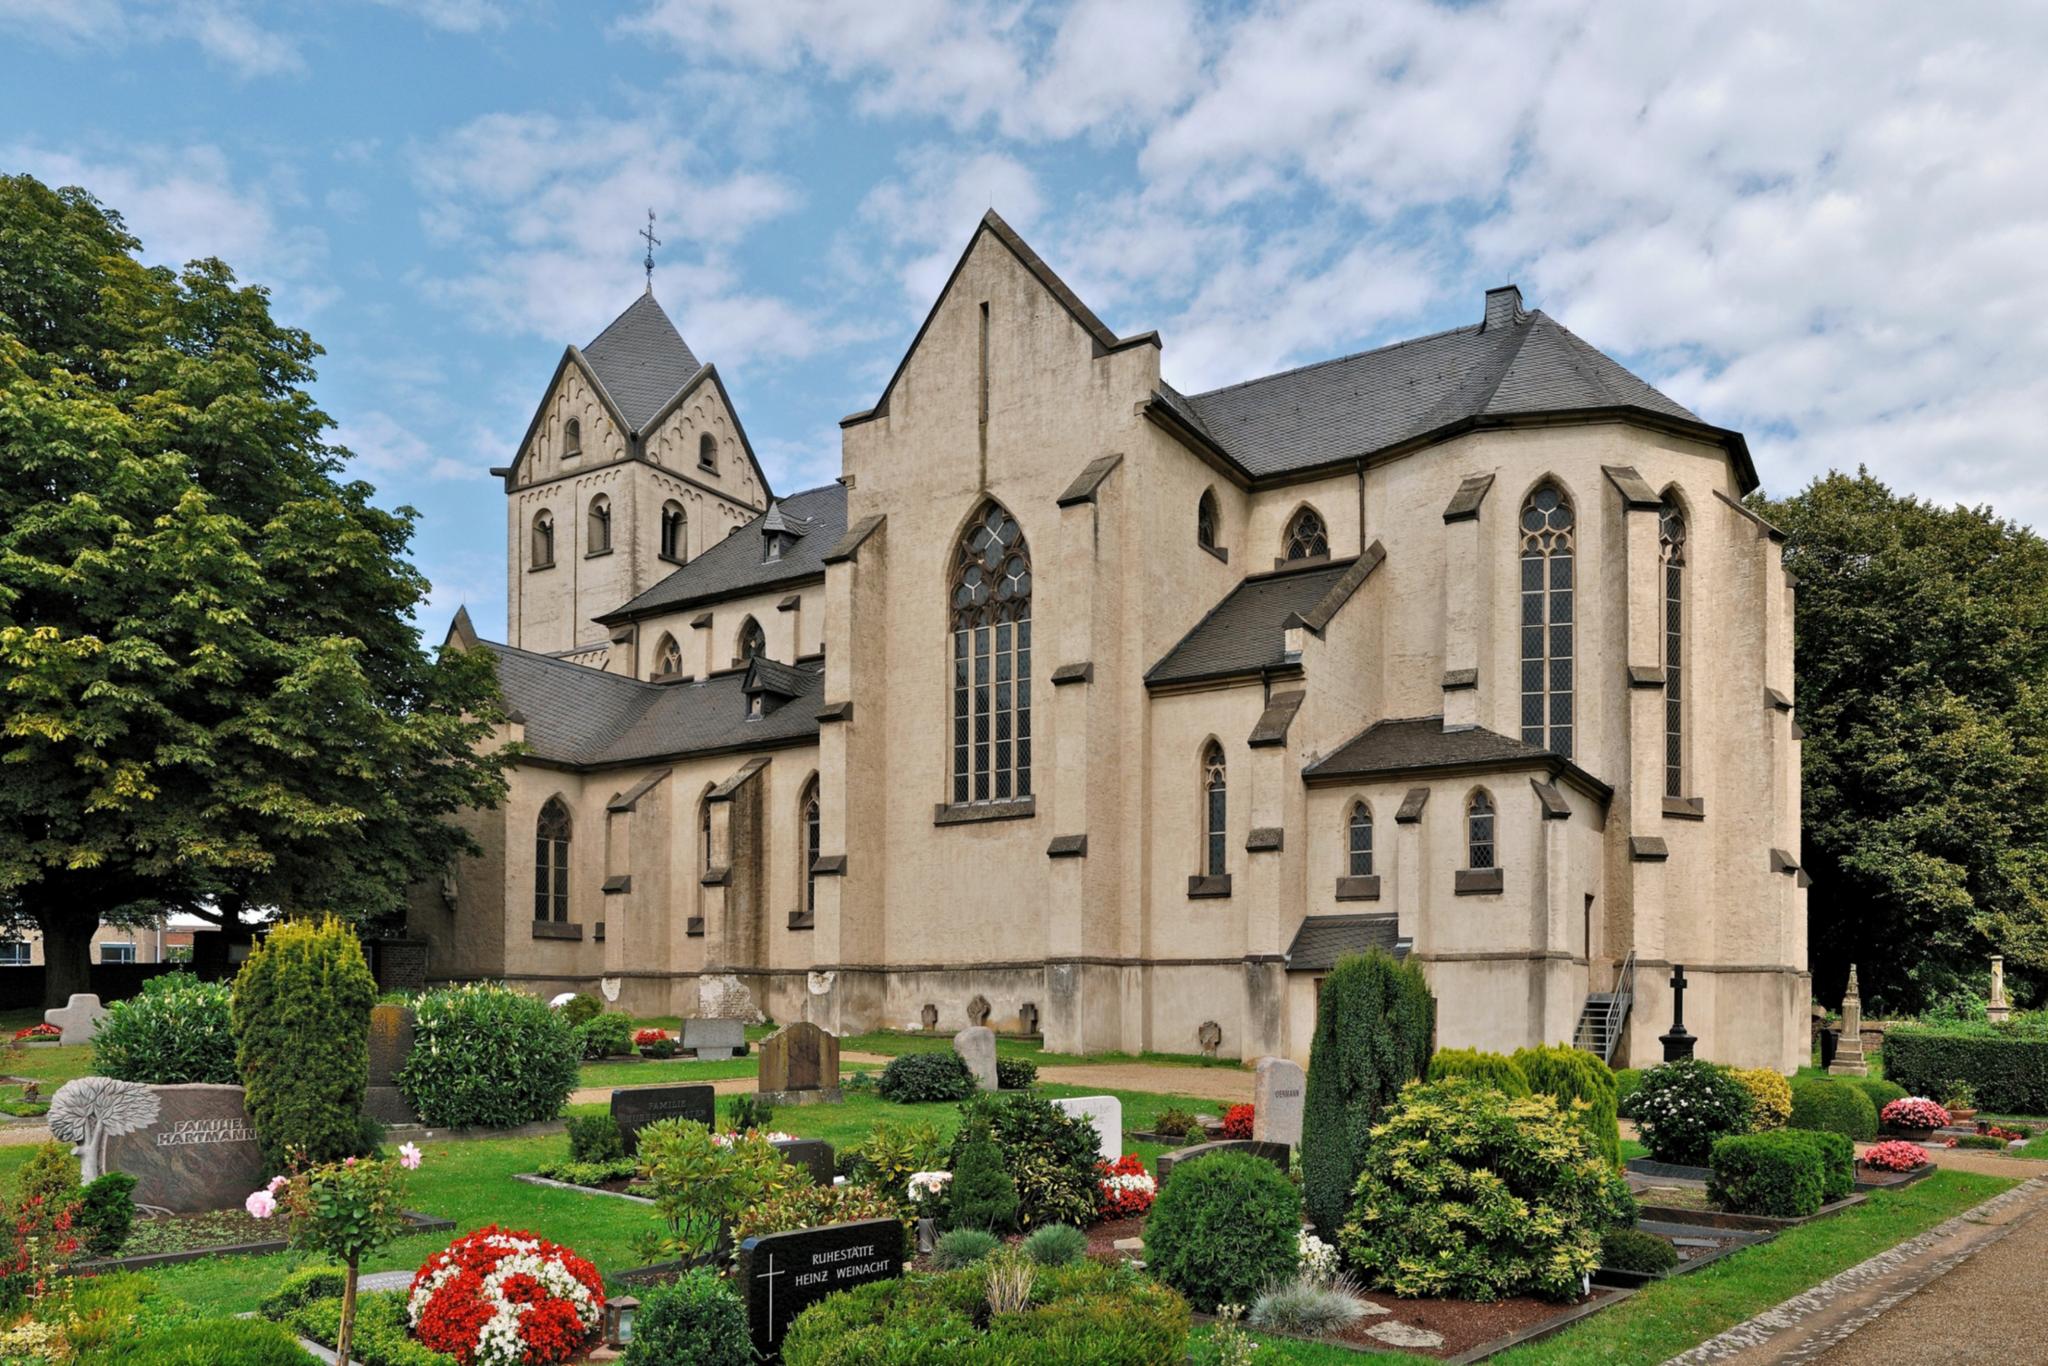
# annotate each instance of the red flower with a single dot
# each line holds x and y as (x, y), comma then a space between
(648, 1036)
(462, 1290)
(1125, 1188)
(1237, 1122)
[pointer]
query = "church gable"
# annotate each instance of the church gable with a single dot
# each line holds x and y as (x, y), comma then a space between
(575, 428)
(697, 436)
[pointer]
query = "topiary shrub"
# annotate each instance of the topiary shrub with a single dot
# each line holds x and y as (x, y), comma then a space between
(1777, 1174)
(1015, 1074)
(1572, 1075)
(605, 1036)
(1056, 1245)
(1470, 1194)
(1049, 1154)
(106, 1212)
(1497, 1070)
(1880, 1091)
(488, 1056)
(1684, 1106)
(303, 1287)
(302, 1041)
(694, 1318)
(983, 1195)
(1770, 1096)
(1375, 1029)
(1090, 1314)
(915, 1077)
(963, 1247)
(1833, 1107)
(1837, 1163)
(595, 1138)
(1223, 1229)
(179, 1029)
(1631, 1249)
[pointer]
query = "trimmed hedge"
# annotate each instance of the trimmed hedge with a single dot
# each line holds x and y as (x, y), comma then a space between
(1568, 1074)
(302, 1042)
(1837, 1162)
(179, 1029)
(1777, 1173)
(2007, 1063)
(1375, 1030)
(1880, 1091)
(1631, 1249)
(1833, 1107)
(1497, 1070)
(911, 1078)
(1223, 1229)
(489, 1056)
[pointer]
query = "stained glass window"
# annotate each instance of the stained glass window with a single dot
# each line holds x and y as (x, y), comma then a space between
(1215, 811)
(810, 823)
(551, 862)
(1361, 840)
(1479, 849)
(1671, 541)
(1306, 537)
(991, 612)
(751, 643)
(1547, 655)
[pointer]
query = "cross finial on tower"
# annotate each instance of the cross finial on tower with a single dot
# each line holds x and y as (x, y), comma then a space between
(652, 242)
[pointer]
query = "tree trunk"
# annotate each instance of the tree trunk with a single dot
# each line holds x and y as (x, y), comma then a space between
(67, 952)
(345, 1335)
(213, 952)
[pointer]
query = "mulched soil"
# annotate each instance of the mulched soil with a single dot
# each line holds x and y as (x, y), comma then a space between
(1102, 1237)
(1464, 1323)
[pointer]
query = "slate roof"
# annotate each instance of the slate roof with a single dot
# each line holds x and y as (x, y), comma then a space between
(1246, 631)
(1417, 744)
(1522, 364)
(642, 361)
(1323, 939)
(584, 718)
(734, 566)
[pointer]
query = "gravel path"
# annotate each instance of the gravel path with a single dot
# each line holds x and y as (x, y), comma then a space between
(1206, 1083)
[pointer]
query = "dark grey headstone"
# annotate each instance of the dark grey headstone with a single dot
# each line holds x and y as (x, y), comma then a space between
(199, 1153)
(714, 1039)
(636, 1107)
(1276, 1153)
(814, 1155)
(784, 1274)
(391, 1031)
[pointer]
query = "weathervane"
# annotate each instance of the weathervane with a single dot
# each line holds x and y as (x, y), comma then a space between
(652, 242)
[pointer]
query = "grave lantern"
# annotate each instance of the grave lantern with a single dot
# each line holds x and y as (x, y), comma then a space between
(618, 1320)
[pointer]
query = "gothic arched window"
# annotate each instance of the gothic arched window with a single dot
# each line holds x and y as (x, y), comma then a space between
(1547, 718)
(1215, 812)
(991, 613)
(675, 526)
(707, 452)
(1360, 830)
(1306, 537)
(543, 539)
(668, 656)
(572, 438)
(1479, 846)
(599, 533)
(808, 811)
(1205, 521)
(1671, 542)
(551, 862)
(750, 643)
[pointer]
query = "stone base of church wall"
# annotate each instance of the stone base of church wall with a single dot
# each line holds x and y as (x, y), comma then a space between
(1499, 1004)
(1741, 1016)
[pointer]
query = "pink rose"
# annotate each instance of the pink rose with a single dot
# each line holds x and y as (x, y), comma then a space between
(277, 1183)
(409, 1156)
(260, 1204)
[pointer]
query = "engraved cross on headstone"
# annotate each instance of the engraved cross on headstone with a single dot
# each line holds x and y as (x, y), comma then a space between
(1678, 1043)
(769, 1276)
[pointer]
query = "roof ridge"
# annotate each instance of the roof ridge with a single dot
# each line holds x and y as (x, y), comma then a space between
(1317, 566)
(1333, 360)
(582, 670)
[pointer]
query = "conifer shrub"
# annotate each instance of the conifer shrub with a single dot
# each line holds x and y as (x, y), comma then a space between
(106, 1212)
(983, 1195)
(1375, 1030)
(179, 1029)
(1833, 1107)
(1497, 1070)
(1223, 1229)
(1050, 1156)
(1569, 1075)
(302, 1041)
(489, 1056)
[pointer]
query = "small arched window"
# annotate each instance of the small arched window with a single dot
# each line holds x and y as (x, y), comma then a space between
(1479, 846)
(675, 526)
(543, 539)
(991, 619)
(551, 862)
(807, 810)
(1547, 618)
(1206, 517)
(572, 438)
(751, 643)
(668, 656)
(1360, 831)
(1306, 537)
(598, 534)
(1215, 812)
(1671, 542)
(704, 832)
(707, 452)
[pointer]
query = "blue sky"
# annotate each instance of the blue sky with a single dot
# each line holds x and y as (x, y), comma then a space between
(1825, 224)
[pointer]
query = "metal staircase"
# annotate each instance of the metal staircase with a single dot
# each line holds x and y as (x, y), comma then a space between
(1606, 1013)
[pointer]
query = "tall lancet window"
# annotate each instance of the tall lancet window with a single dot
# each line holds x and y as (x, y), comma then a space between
(810, 813)
(1671, 541)
(551, 862)
(1361, 840)
(991, 609)
(1215, 812)
(1547, 718)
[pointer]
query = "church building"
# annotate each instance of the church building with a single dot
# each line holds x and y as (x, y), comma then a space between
(1084, 706)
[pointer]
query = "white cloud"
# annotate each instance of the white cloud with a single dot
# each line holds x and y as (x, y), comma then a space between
(926, 215)
(388, 450)
(455, 16)
(226, 31)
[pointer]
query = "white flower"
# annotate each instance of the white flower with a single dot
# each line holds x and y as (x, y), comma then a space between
(923, 1184)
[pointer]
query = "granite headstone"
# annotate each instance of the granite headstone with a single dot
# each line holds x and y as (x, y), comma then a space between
(199, 1153)
(784, 1274)
(636, 1107)
(391, 1033)
(799, 1066)
(814, 1155)
(714, 1039)
(1105, 1114)
(78, 1017)
(977, 1045)
(1278, 1088)
(1276, 1153)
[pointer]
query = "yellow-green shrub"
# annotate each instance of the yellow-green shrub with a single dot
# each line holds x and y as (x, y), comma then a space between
(1770, 1095)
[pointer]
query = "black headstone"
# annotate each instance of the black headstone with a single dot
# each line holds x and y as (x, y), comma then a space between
(636, 1107)
(814, 1155)
(784, 1274)
(1275, 1153)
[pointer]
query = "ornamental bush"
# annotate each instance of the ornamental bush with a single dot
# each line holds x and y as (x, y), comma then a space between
(1468, 1193)
(302, 1041)
(1570, 1075)
(1770, 1096)
(1835, 1107)
(1914, 1112)
(1375, 1029)
(1880, 1091)
(179, 1029)
(963, 1247)
(1089, 1314)
(983, 1195)
(806, 1204)
(914, 1077)
(581, 1009)
(694, 1318)
(1497, 1070)
(891, 1154)
(1627, 1081)
(595, 1138)
(499, 1297)
(2005, 1064)
(702, 1183)
(488, 1056)
(1777, 1174)
(1683, 1107)
(1837, 1163)
(1223, 1228)
(106, 1212)
(1016, 1074)
(1631, 1249)
(1049, 1154)
(609, 1035)
(381, 1336)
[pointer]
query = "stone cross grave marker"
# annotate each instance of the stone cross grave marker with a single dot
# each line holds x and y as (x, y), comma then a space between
(977, 1046)
(1278, 1088)
(78, 1017)
(799, 1066)
(785, 1273)
(1104, 1114)
(1849, 1060)
(1679, 1042)
(714, 1039)
(636, 1107)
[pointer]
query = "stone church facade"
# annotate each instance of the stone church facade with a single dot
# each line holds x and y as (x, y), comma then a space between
(1082, 705)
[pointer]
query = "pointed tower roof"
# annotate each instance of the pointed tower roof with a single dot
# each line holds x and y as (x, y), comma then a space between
(642, 361)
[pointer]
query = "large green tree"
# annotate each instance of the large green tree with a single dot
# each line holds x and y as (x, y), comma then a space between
(1922, 638)
(211, 696)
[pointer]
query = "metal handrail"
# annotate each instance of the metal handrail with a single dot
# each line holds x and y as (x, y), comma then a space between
(1617, 1008)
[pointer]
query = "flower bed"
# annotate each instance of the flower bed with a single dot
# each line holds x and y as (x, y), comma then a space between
(38, 1033)
(1126, 1188)
(1237, 1122)
(1915, 1114)
(504, 1298)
